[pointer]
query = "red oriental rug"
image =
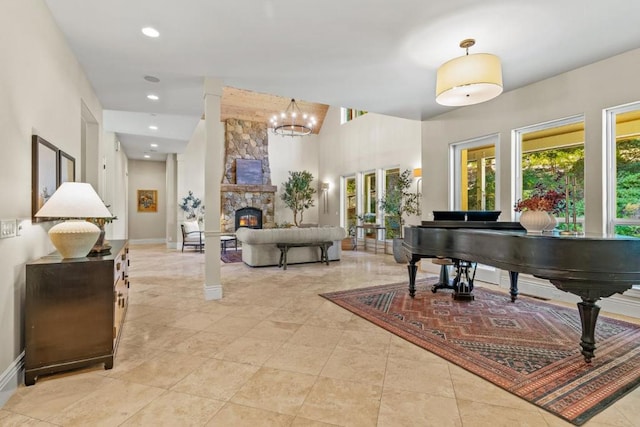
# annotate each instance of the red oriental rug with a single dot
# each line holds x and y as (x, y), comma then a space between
(529, 348)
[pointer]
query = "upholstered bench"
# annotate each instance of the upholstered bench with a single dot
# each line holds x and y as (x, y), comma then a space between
(259, 246)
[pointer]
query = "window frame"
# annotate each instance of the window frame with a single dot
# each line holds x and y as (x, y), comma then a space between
(516, 149)
(609, 118)
(455, 159)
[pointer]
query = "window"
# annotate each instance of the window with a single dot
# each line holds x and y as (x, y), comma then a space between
(474, 174)
(370, 202)
(548, 156)
(623, 169)
(391, 224)
(350, 205)
(348, 114)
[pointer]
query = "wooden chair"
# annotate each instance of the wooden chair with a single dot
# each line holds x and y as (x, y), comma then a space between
(191, 235)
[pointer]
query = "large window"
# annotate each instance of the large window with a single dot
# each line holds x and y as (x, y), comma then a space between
(548, 156)
(350, 204)
(391, 224)
(370, 202)
(623, 178)
(348, 114)
(474, 174)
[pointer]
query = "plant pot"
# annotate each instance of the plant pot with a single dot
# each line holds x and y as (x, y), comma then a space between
(535, 221)
(399, 253)
(347, 244)
(552, 222)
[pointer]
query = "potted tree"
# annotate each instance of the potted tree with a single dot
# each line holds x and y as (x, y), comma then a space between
(297, 194)
(397, 202)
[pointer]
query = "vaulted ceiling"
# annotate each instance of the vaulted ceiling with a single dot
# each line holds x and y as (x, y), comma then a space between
(375, 55)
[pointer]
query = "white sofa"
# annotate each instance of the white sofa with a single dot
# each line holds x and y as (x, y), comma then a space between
(259, 245)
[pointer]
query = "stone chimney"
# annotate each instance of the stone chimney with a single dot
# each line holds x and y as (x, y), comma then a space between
(246, 141)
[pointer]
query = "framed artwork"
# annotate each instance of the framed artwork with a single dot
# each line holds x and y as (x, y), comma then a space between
(66, 168)
(147, 200)
(248, 171)
(44, 173)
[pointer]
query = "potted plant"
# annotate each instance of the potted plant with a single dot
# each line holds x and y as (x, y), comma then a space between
(397, 202)
(297, 194)
(539, 209)
(349, 242)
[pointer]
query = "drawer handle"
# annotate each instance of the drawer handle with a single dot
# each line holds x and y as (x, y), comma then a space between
(117, 266)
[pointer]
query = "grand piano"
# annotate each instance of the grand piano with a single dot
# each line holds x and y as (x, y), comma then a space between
(589, 266)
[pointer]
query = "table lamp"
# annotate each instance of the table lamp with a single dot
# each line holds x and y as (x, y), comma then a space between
(75, 202)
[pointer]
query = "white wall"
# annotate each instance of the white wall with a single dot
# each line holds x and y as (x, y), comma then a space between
(42, 88)
(190, 173)
(293, 154)
(147, 226)
(371, 141)
(114, 170)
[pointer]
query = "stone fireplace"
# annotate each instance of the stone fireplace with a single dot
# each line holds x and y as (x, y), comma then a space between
(246, 141)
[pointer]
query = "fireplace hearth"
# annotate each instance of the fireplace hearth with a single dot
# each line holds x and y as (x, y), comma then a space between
(248, 217)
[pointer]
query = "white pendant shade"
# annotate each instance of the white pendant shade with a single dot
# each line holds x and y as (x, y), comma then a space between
(468, 80)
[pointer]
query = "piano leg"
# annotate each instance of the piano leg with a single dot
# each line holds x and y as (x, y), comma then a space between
(413, 269)
(588, 316)
(513, 281)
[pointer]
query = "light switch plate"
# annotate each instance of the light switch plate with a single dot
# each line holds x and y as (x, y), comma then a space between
(7, 228)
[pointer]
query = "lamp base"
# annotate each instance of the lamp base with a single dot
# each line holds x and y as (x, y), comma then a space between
(74, 238)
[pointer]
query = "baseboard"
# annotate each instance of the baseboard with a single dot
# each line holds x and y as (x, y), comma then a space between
(619, 304)
(172, 245)
(10, 379)
(146, 241)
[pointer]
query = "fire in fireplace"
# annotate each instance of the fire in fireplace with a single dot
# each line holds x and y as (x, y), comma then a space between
(248, 217)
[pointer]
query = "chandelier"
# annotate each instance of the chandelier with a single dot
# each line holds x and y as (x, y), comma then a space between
(292, 121)
(469, 79)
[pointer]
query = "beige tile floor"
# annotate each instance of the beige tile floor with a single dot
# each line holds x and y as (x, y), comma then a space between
(270, 353)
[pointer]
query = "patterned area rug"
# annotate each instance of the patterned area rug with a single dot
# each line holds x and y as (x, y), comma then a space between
(231, 256)
(530, 348)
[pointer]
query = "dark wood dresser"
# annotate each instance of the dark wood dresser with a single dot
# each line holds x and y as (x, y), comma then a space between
(74, 311)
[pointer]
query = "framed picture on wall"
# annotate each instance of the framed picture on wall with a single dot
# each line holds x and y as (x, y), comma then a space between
(147, 200)
(66, 168)
(44, 173)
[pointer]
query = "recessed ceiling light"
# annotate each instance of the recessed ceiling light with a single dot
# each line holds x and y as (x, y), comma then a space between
(152, 79)
(146, 156)
(150, 32)
(153, 127)
(154, 145)
(153, 97)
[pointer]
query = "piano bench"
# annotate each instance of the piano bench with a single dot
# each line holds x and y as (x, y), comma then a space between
(443, 280)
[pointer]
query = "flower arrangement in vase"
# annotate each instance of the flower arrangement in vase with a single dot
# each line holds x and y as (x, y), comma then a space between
(539, 209)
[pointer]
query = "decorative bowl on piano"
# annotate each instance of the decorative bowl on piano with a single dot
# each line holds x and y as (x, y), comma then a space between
(535, 221)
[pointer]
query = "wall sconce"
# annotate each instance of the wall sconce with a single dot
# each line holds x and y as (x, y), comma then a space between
(324, 189)
(417, 173)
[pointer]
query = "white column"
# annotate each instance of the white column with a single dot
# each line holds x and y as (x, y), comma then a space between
(213, 166)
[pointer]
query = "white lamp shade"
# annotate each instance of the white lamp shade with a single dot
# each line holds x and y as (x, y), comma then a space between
(74, 238)
(468, 80)
(74, 200)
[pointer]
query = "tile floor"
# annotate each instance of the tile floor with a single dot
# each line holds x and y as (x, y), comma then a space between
(270, 353)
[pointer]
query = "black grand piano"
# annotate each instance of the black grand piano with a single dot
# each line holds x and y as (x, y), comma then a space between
(589, 266)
